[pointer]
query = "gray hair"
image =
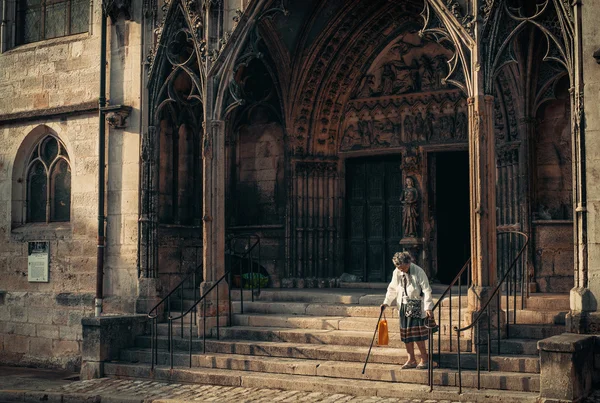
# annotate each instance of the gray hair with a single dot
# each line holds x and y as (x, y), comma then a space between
(401, 258)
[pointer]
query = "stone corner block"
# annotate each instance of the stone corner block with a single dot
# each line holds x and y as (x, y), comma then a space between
(105, 336)
(566, 367)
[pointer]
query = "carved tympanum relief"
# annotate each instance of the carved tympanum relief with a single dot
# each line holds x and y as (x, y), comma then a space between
(403, 99)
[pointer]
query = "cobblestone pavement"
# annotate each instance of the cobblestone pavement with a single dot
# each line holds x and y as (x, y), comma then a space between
(149, 391)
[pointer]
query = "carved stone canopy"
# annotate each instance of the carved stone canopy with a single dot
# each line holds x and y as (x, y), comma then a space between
(116, 115)
(114, 8)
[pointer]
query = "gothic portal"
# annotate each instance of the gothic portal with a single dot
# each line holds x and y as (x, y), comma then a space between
(341, 132)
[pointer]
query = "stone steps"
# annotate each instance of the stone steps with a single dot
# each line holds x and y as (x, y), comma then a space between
(315, 336)
(380, 355)
(359, 386)
(332, 369)
(316, 322)
(537, 332)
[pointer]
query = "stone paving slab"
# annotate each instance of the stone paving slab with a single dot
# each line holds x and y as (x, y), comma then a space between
(109, 390)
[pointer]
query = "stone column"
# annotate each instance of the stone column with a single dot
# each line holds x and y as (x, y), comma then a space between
(482, 168)
(213, 217)
(585, 294)
(148, 283)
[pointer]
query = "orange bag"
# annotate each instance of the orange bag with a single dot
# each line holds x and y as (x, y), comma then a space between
(382, 332)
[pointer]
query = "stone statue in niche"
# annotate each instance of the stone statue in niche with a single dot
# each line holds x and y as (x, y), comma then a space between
(410, 197)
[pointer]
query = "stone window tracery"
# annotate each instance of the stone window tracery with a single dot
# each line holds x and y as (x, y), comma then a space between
(49, 182)
(38, 20)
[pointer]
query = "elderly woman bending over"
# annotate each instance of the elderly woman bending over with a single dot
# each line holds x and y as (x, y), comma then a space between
(410, 287)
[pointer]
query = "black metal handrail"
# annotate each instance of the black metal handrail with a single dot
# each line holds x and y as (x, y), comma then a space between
(193, 308)
(438, 305)
(511, 288)
(153, 314)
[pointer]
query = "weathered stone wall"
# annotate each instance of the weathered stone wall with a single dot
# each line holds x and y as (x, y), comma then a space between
(553, 257)
(40, 323)
(591, 71)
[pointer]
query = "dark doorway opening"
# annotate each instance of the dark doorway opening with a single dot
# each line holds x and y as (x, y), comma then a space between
(452, 213)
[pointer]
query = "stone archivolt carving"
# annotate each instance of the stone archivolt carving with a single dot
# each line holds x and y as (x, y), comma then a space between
(394, 121)
(403, 99)
(408, 65)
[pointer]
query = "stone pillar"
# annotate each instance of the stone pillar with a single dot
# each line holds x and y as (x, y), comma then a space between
(566, 367)
(585, 294)
(482, 167)
(213, 195)
(213, 217)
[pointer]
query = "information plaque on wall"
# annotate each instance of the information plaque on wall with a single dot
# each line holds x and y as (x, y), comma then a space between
(37, 262)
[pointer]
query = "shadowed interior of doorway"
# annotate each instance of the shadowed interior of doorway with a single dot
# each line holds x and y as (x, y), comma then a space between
(452, 213)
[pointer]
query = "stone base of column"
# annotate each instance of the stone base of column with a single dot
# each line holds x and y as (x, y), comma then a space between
(148, 295)
(582, 299)
(478, 297)
(214, 308)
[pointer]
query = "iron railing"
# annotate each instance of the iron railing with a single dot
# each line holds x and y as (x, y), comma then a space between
(513, 281)
(458, 280)
(247, 256)
(154, 313)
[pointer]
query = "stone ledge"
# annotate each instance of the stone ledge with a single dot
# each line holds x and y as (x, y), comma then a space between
(567, 343)
(47, 113)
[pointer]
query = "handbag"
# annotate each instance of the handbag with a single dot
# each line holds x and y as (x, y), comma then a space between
(413, 305)
(383, 337)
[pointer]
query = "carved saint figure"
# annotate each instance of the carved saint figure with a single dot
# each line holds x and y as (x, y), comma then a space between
(351, 138)
(462, 126)
(410, 196)
(367, 87)
(409, 131)
(429, 125)
(387, 79)
(419, 128)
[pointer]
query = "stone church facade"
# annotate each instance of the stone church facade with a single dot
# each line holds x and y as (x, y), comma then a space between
(340, 132)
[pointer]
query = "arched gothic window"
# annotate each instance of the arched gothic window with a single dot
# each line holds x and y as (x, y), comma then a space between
(49, 182)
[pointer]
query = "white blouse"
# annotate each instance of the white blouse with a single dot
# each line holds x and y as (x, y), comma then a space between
(416, 282)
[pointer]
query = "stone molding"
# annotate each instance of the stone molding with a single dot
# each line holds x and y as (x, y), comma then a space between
(49, 113)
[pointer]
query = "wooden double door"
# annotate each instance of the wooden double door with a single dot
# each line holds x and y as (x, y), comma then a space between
(373, 216)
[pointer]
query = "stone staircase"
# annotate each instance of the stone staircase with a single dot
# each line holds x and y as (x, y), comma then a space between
(318, 339)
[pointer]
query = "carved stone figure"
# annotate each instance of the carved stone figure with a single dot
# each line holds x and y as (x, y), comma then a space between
(409, 129)
(384, 133)
(367, 87)
(445, 128)
(419, 127)
(351, 138)
(364, 128)
(428, 126)
(461, 126)
(404, 82)
(410, 197)
(387, 79)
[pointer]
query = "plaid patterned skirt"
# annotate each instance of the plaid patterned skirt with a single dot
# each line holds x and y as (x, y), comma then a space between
(412, 329)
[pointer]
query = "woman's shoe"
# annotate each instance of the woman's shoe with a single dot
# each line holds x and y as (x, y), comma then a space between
(423, 365)
(409, 365)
